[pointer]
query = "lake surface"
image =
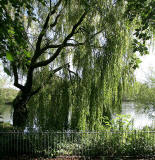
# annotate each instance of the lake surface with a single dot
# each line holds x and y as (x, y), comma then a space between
(141, 117)
(6, 113)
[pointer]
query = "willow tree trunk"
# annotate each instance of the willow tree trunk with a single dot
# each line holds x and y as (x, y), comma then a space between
(20, 113)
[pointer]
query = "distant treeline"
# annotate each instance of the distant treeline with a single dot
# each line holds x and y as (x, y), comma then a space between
(143, 93)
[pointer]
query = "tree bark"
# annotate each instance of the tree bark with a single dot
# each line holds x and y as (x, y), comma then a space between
(20, 114)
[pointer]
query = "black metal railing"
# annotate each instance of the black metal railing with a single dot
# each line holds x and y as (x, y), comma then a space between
(69, 143)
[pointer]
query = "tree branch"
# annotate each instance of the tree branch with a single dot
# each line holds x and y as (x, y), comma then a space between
(15, 73)
(74, 44)
(59, 45)
(73, 73)
(43, 31)
(64, 44)
(53, 72)
(96, 33)
(56, 20)
(75, 27)
(35, 91)
(37, 53)
(59, 68)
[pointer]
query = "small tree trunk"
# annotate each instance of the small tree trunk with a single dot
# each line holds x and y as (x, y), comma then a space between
(20, 113)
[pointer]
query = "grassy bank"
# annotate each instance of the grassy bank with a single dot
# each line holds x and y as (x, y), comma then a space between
(7, 95)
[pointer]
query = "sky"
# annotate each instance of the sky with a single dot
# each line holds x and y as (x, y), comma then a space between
(148, 63)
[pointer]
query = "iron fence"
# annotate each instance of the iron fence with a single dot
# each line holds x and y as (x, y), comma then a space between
(69, 143)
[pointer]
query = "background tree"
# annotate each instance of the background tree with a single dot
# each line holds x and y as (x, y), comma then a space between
(146, 94)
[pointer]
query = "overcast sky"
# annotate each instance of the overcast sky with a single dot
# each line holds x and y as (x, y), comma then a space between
(148, 63)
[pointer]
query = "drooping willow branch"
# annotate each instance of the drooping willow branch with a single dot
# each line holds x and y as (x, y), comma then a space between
(49, 77)
(63, 45)
(42, 33)
(15, 72)
(39, 51)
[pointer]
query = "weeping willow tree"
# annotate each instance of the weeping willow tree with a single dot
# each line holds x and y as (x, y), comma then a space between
(91, 86)
(75, 57)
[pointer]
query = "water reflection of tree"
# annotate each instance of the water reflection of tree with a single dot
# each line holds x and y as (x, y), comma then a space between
(147, 109)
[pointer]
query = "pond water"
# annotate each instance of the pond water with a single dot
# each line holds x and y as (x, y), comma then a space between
(141, 117)
(6, 113)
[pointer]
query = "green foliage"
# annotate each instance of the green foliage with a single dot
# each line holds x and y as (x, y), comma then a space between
(146, 96)
(95, 89)
(131, 91)
(5, 127)
(100, 67)
(14, 16)
(111, 143)
(7, 71)
(9, 56)
(142, 93)
(141, 12)
(116, 139)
